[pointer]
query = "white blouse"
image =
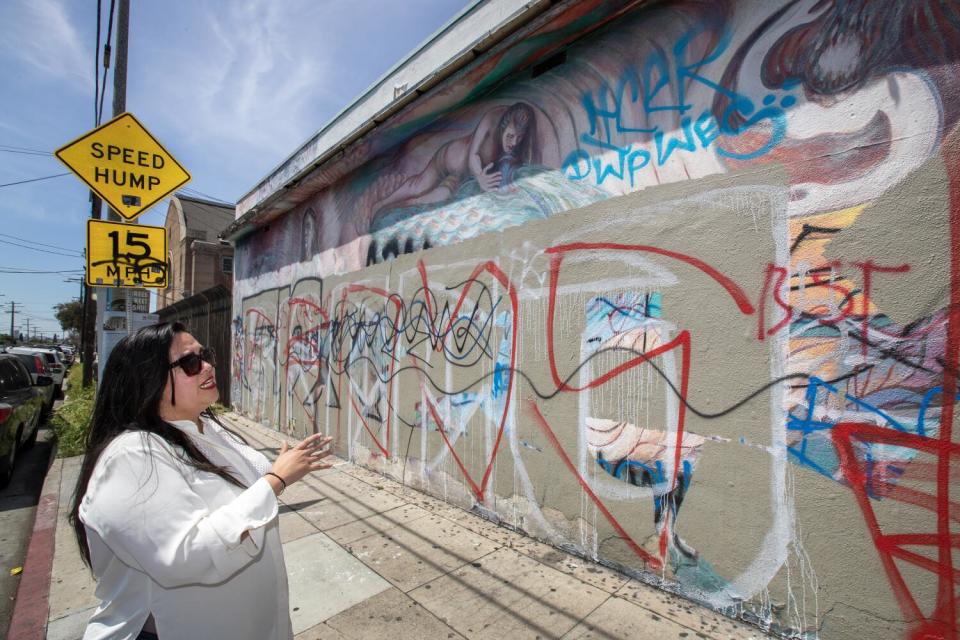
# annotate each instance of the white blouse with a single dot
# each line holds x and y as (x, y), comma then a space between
(165, 539)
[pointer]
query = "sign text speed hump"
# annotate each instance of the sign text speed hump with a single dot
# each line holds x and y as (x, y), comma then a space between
(125, 165)
(126, 255)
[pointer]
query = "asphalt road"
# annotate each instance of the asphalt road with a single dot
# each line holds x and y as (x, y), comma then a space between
(18, 503)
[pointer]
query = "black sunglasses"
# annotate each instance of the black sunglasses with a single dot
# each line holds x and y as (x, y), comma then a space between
(192, 363)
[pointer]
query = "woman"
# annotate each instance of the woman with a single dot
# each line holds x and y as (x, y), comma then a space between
(174, 514)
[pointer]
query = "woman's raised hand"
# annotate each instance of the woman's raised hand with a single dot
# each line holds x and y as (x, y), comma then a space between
(295, 462)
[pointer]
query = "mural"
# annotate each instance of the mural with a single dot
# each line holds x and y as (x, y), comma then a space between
(736, 357)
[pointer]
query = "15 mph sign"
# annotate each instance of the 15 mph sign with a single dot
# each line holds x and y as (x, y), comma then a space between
(124, 165)
(126, 255)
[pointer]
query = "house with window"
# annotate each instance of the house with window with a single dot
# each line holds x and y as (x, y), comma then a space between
(198, 260)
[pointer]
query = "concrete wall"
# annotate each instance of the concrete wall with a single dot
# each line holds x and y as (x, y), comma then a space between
(740, 385)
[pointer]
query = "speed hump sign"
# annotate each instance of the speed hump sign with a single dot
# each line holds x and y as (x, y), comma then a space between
(126, 255)
(125, 165)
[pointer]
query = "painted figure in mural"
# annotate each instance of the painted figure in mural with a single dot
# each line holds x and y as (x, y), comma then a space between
(302, 359)
(174, 513)
(502, 141)
(261, 354)
(309, 242)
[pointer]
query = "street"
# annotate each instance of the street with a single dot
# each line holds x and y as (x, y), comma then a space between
(18, 503)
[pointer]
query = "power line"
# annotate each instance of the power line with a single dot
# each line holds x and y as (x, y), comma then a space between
(106, 61)
(20, 270)
(96, 68)
(189, 190)
(27, 153)
(42, 244)
(23, 308)
(55, 253)
(16, 148)
(56, 175)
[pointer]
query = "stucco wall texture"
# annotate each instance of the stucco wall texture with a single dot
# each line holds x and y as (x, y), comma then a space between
(682, 296)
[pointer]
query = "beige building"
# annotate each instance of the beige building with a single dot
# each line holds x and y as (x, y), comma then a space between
(198, 259)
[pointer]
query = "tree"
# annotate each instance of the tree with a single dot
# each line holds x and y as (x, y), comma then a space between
(70, 315)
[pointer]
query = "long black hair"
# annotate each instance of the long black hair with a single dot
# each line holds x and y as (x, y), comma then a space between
(128, 399)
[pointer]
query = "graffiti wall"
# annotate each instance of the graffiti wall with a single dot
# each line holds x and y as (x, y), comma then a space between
(683, 296)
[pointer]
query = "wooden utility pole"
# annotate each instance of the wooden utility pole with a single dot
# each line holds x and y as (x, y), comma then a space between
(130, 296)
(93, 330)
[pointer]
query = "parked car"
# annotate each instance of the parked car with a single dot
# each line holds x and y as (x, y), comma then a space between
(65, 356)
(36, 367)
(20, 406)
(53, 363)
(69, 352)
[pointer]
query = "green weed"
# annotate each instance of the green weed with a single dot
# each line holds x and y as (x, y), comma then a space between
(72, 419)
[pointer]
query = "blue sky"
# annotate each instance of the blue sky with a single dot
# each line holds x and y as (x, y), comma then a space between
(230, 88)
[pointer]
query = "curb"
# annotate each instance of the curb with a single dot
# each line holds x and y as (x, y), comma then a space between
(32, 606)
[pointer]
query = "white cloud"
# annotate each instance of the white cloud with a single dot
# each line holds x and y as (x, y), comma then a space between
(252, 79)
(39, 33)
(232, 87)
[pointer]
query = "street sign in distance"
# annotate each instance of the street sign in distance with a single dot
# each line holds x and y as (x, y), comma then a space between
(125, 165)
(126, 255)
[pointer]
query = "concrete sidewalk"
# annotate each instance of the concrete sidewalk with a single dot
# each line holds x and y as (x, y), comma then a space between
(369, 558)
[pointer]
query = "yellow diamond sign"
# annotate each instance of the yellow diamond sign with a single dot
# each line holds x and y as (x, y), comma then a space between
(124, 165)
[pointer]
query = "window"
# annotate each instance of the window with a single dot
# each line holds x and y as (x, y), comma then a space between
(21, 376)
(29, 361)
(6, 376)
(226, 264)
(12, 375)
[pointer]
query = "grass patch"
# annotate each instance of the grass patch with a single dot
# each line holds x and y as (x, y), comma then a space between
(71, 421)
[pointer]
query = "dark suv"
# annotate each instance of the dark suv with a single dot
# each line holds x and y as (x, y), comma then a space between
(20, 405)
